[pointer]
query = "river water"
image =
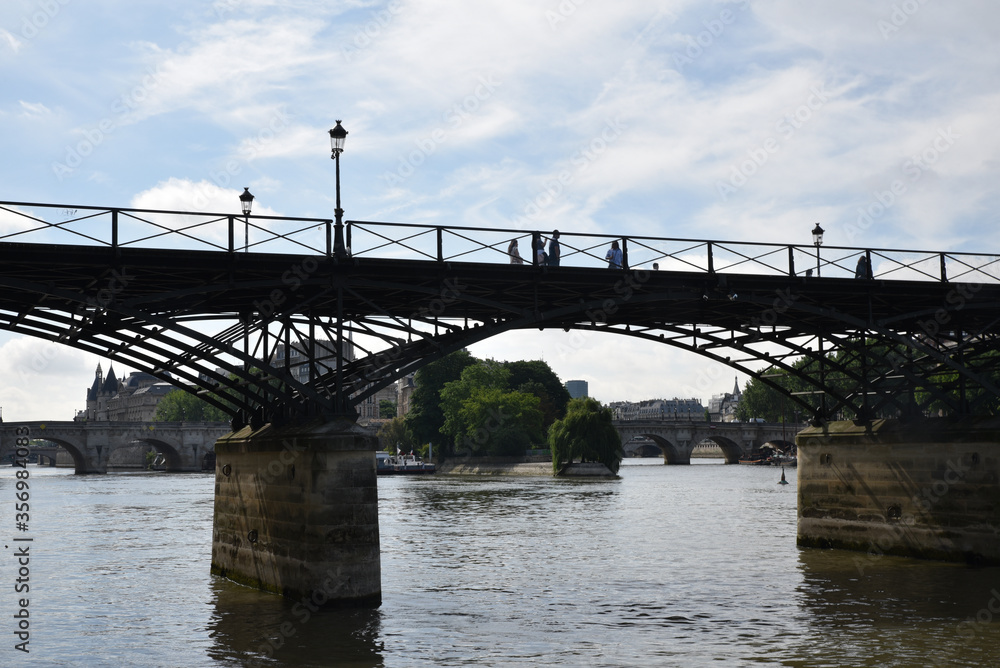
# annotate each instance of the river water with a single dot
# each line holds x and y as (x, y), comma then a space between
(666, 566)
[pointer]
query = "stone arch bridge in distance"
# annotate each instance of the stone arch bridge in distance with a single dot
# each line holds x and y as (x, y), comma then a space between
(677, 439)
(186, 446)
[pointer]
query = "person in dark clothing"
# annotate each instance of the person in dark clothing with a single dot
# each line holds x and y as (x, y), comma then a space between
(553, 258)
(864, 269)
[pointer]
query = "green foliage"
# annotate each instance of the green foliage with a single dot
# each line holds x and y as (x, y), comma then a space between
(494, 422)
(181, 406)
(394, 434)
(586, 433)
(537, 377)
(386, 409)
(483, 417)
(426, 417)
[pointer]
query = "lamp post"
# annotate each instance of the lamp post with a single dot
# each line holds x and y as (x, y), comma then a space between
(246, 203)
(337, 136)
(817, 241)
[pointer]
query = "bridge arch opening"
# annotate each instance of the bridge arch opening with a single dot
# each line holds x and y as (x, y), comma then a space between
(671, 454)
(730, 449)
(639, 446)
(79, 462)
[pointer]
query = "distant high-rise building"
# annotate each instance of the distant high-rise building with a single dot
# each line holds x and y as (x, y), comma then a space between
(576, 388)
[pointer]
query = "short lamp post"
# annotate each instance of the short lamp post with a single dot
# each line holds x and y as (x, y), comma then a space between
(337, 136)
(246, 203)
(817, 241)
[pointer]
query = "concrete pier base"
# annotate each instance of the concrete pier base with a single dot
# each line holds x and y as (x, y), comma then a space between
(296, 512)
(928, 488)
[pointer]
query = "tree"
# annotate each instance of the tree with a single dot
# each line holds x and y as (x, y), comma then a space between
(394, 434)
(481, 375)
(386, 408)
(426, 418)
(484, 417)
(537, 377)
(586, 433)
(494, 422)
(181, 406)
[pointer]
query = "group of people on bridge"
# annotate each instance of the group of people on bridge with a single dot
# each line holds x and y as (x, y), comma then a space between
(551, 258)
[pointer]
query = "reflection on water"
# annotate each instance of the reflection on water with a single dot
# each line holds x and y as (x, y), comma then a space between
(666, 566)
(250, 628)
(899, 612)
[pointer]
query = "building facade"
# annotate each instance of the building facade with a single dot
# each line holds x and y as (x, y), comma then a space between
(687, 410)
(577, 389)
(132, 399)
(722, 407)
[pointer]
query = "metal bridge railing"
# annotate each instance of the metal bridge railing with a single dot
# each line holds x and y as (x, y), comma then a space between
(490, 245)
(146, 228)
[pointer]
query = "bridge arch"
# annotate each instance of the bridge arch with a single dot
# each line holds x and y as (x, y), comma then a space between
(731, 450)
(75, 449)
(671, 454)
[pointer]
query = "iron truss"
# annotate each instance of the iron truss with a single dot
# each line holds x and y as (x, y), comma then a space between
(244, 325)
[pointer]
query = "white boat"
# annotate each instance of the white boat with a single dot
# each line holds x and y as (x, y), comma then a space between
(401, 464)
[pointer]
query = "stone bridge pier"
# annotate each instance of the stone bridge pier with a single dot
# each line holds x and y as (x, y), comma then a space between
(928, 488)
(296, 512)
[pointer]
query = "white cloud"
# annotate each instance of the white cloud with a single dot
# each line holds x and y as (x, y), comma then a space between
(39, 379)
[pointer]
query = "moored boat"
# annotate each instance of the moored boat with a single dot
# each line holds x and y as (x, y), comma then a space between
(401, 464)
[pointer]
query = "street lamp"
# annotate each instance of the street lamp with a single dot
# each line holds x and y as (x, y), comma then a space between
(246, 203)
(817, 241)
(337, 136)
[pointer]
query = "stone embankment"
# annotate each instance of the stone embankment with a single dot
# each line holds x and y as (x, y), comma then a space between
(517, 466)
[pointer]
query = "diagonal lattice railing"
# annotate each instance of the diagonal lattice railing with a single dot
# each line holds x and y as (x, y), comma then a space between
(22, 222)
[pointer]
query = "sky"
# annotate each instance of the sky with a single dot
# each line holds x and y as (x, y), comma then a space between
(741, 120)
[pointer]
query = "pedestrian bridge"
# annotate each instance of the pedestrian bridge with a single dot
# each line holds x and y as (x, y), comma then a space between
(677, 439)
(186, 446)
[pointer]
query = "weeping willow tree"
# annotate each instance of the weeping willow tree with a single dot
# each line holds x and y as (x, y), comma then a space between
(587, 434)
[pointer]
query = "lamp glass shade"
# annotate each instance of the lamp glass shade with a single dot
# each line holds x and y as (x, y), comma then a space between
(246, 201)
(818, 235)
(337, 136)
